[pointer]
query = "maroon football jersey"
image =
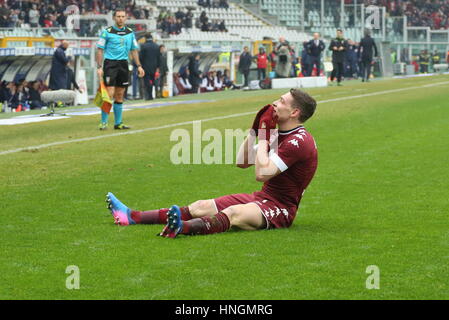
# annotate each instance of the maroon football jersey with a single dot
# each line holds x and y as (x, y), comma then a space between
(297, 159)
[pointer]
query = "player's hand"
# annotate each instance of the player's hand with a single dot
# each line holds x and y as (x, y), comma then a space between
(256, 121)
(141, 72)
(100, 74)
(268, 122)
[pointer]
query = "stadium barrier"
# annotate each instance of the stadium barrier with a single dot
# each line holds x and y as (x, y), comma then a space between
(306, 82)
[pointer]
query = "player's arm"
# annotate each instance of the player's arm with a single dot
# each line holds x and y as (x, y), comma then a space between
(246, 152)
(265, 167)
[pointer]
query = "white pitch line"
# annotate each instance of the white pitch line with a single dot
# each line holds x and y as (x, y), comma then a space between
(57, 143)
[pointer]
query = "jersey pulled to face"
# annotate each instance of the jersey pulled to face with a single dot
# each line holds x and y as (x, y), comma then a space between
(297, 159)
(117, 43)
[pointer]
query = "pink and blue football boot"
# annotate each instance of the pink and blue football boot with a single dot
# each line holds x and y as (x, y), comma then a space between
(120, 212)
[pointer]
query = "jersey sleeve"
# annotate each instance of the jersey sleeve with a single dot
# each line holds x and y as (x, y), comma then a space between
(295, 148)
(103, 39)
(134, 44)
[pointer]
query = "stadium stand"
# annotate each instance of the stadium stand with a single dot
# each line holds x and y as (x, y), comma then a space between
(420, 13)
(241, 24)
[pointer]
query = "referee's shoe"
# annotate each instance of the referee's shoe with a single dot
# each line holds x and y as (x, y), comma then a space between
(121, 126)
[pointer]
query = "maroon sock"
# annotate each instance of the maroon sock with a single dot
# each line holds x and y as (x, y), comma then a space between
(150, 217)
(185, 214)
(207, 225)
(157, 216)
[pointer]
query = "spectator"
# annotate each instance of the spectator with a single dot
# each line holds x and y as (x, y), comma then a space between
(204, 3)
(34, 16)
(218, 81)
(194, 71)
(272, 58)
(351, 60)
(207, 85)
(435, 59)
(245, 64)
(180, 15)
(315, 48)
(150, 59)
(204, 22)
(188, 21)
(215, 26)
(35, 95)
(227, 82)
(163, 71)
(424, 62)
(58, 72)
(7, 90)
(222, 26)
(20, 96)
(282, 42)
(294, 61)
(184, 81)
(262, 64)
(283, 62)
(305, 60)
(223, 4)
(178, 26)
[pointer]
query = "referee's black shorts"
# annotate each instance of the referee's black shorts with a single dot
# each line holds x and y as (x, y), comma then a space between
(116, 73)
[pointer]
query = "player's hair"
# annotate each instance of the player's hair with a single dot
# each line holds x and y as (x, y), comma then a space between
(118, 10)
(304, 102)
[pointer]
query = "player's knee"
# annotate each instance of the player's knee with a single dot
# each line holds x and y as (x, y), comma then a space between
(234, 215)
(202, 207)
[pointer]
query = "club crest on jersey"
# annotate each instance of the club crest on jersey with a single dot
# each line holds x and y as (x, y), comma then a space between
(294, 142)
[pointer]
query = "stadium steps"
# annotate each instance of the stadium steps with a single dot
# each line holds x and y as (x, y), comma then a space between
(254, 10)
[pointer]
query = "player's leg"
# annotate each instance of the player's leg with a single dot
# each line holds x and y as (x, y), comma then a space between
(246, 217)
(125, 216)
(197, 209)
(243, 216)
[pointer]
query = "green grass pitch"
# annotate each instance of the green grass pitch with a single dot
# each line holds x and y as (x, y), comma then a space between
(379, 197)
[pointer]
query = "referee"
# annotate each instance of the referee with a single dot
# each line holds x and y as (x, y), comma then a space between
(114, 46)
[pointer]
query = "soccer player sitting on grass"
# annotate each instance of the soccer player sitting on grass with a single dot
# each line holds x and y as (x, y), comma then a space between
(285, 173)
